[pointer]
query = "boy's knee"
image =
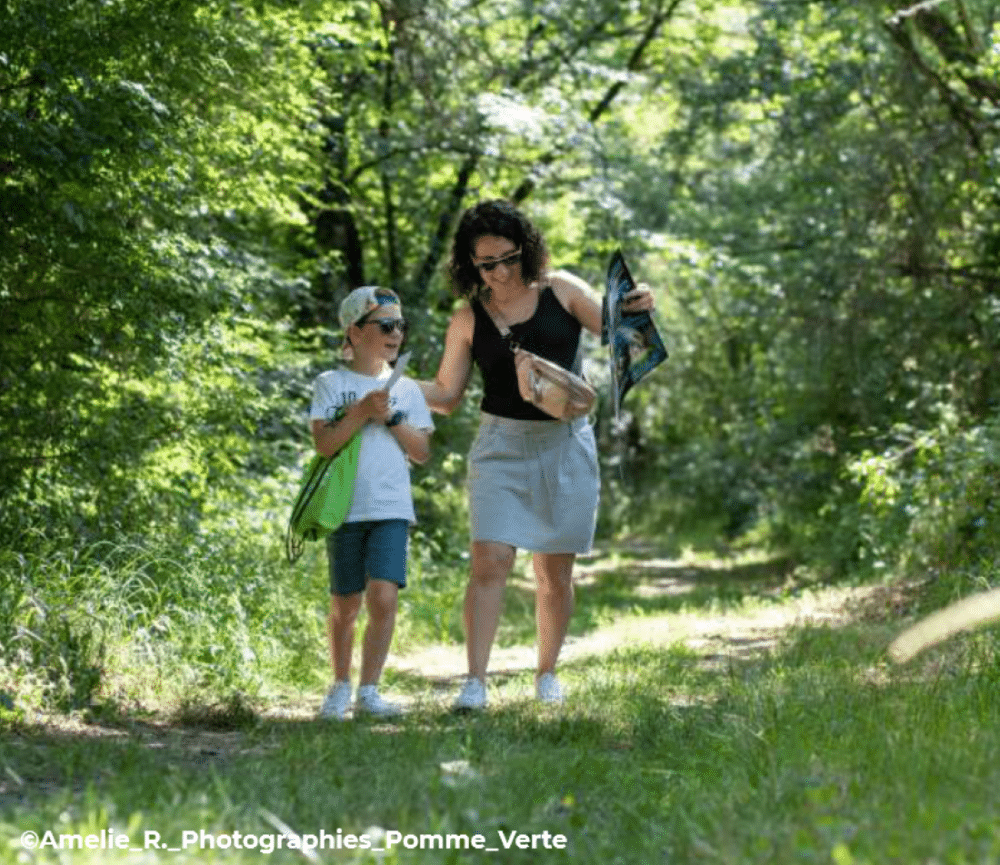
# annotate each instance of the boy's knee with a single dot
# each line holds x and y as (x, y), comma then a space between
(381, 598)
(345, 608)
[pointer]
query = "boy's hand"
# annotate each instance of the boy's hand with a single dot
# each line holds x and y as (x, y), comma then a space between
(374, 408)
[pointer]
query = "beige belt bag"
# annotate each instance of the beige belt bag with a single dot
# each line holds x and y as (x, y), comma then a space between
(556, 391)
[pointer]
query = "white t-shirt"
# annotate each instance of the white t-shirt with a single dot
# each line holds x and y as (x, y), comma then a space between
(382, 489)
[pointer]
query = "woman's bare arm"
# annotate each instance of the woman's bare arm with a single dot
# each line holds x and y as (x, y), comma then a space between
(445, 392)
(577, 298)
(584, 304)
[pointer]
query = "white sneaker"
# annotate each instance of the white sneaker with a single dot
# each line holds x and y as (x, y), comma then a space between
(369, 702)
(472, 696)
(337, 701)
(548, 689)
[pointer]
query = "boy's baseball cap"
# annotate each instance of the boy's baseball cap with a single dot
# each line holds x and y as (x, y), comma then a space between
(363, 300)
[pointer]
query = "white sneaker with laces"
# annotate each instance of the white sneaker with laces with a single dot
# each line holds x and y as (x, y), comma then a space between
(472, 696)
(548, 689)
(337, 701)
(370, 702)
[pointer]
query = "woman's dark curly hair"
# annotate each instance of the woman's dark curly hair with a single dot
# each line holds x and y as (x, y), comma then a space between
(501, 219)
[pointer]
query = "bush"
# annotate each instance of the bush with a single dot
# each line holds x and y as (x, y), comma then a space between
(932, 505)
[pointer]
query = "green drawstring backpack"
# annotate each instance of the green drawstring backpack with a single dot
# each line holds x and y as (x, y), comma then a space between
(324, 498)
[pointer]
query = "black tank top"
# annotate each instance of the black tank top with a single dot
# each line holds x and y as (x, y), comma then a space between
(551, 333)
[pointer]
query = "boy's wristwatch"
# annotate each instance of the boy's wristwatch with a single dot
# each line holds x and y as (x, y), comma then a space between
(396, 419)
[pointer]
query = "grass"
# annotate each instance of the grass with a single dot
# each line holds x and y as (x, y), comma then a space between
(814, 750)
(795, 760)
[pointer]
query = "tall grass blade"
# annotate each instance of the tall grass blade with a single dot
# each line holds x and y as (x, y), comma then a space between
(964, 615)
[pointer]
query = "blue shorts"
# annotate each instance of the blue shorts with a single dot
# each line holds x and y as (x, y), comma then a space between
(367, 550)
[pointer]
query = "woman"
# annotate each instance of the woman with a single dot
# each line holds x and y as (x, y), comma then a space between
(533, 481)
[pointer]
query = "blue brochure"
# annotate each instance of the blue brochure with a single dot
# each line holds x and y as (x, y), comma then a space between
(636, 347)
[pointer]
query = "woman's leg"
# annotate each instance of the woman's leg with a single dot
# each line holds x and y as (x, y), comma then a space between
(381, 600)
(343, 614)
(553, 605)
(491, 563)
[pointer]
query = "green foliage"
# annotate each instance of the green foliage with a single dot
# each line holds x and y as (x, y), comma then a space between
(144, 620)
(125, 233)
(827, 286)
(187, 190)
(931, 503)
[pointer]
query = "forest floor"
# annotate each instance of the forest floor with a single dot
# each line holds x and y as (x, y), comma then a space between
(720, 708)
(724, 611)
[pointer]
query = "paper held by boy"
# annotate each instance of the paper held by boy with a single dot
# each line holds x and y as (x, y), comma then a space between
(397, 372)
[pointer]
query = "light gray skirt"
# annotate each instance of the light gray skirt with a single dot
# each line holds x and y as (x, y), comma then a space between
(534, 484)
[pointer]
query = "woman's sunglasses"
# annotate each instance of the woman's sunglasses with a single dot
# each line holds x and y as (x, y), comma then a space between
(388, 325)
(507, 261)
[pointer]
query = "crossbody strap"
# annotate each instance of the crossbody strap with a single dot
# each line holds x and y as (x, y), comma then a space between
(501, 325)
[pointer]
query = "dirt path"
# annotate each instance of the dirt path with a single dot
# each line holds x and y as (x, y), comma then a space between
(740, 631)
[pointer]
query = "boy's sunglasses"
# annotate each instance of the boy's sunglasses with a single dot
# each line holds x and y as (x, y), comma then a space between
(388, 325)
(507, 261)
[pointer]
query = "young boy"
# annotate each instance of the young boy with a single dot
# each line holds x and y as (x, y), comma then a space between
(367, 554)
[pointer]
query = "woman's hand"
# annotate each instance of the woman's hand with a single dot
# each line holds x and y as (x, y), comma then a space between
(522, 365)
(521, 357)
(640, 299)
(522, 360)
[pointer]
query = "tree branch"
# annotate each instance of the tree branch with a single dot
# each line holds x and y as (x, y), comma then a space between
(986, 277)
(392, 241)
(527, 185)
(960, 112)
(30, 81)
(389, 154)
(445, 221)
(635, 60)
